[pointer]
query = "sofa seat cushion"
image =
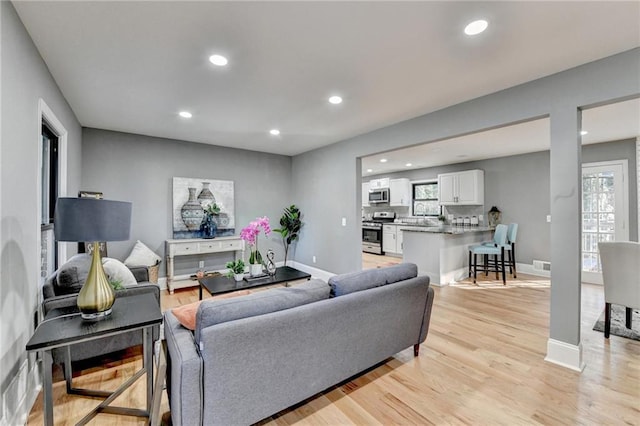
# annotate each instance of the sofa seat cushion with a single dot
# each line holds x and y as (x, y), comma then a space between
(186, 314)
(213, 312)
(370, 278)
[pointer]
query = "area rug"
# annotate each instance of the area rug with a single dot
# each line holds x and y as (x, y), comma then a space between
(617, 323)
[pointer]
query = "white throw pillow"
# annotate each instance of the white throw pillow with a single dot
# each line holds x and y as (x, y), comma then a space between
(142, 255)
(117, 271)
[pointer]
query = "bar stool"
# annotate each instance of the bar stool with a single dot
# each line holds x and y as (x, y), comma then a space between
(496, 248)
(510, 246)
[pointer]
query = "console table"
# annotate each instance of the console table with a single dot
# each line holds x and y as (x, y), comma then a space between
(135, 312)
(188, 247)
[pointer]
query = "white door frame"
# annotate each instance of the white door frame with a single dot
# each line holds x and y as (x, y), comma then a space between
(45, 114)
(622, 215)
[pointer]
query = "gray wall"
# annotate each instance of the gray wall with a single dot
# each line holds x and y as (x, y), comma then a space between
(519, 186)
(558, 96)
(24, 80)
(140, 169)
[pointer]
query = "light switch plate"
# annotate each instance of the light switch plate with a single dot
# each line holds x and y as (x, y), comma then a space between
(344, 221)
(548, 218)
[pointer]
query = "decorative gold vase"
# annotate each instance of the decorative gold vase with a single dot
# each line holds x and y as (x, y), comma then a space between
(96, 296)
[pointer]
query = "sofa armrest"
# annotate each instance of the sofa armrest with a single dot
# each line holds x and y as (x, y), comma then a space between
(140, 273)
(141, 288)
(184, 373)
(64, 303)
(426, 319)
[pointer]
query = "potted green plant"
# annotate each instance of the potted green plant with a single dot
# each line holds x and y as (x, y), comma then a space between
(236, 269)
(290, 224)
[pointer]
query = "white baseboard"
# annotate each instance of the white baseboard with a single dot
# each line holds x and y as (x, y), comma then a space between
(315, 272)
(528, 269)
(21, 394)
(565, 354)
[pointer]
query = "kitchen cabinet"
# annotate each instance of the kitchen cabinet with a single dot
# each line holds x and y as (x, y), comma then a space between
(379, 183)
(389, 238)
(365, 194)
(461, 188)
(399, 192)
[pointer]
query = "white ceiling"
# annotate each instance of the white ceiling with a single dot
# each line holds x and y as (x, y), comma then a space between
(604, 124)
(131, 66)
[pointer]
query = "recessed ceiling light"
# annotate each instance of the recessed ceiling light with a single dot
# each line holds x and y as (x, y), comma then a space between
(408, 164)
(185, 114)
(383, 160)
(369, 170)
(274, 132)
(335, 100)
(218, 60)
(583, 132)
(476, 27)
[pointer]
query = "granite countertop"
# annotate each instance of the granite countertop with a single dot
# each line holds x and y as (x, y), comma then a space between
(445, 229)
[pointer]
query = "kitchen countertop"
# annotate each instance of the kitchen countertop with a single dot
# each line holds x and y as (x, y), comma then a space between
(445, 229)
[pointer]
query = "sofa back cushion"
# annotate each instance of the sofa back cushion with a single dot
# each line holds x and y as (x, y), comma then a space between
(212, 312)
(370, 278)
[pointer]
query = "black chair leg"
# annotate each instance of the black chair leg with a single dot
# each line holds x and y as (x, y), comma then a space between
(504, 272)
(513, 257)
(475, 267)
(470, 264)
(607, 320)
(628, 318)
(486, 265)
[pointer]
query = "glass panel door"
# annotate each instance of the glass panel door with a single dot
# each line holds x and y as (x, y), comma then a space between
(603, 214)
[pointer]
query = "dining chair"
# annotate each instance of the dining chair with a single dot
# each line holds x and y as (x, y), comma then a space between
(495, 249)
(621, 276)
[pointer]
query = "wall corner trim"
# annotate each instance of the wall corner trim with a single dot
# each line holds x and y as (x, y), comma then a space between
(565, 355)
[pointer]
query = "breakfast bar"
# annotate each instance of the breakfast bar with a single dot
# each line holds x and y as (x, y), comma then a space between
(442, 251)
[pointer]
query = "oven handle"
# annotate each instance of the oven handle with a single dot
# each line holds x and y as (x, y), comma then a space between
(373, 228)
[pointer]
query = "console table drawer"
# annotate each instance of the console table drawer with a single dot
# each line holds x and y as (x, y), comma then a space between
(186, 248)
(231, 245)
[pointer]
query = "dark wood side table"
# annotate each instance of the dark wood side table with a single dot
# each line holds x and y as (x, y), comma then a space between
(221, 285)
(136, 312)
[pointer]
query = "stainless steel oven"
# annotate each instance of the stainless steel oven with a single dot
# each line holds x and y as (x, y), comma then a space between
(372, 232)
(372, 237)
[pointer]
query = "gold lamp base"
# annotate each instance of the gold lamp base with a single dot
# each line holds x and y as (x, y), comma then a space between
(96, 296)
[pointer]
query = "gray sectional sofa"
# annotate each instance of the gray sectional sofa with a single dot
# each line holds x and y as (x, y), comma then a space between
(253, 356)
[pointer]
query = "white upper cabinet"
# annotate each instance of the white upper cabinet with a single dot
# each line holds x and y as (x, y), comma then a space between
(365, 194)
(400, 192)
(461, 188)
(379, 183)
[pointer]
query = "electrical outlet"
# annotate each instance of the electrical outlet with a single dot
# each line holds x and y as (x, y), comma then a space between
(548, 218)
(314, 259)
(344, 221)
(480, 218)
(201, 264)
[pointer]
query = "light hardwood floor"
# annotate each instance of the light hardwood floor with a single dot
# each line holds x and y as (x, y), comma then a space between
(483, 363)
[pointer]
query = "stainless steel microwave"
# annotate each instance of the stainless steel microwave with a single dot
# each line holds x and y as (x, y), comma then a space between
(379, 195)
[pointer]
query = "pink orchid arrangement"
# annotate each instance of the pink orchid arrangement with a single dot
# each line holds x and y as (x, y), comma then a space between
(250, 234)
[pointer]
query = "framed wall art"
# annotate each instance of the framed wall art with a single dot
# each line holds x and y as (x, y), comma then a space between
(199, 201)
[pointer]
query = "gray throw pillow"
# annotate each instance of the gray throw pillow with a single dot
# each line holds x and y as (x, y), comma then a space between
(72, 275)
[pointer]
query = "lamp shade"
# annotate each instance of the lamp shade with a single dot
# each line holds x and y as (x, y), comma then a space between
(89, 219)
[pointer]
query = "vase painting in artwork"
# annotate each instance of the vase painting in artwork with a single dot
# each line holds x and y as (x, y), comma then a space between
(192, 212)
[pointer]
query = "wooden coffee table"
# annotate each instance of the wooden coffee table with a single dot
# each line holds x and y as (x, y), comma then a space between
(221, 284)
